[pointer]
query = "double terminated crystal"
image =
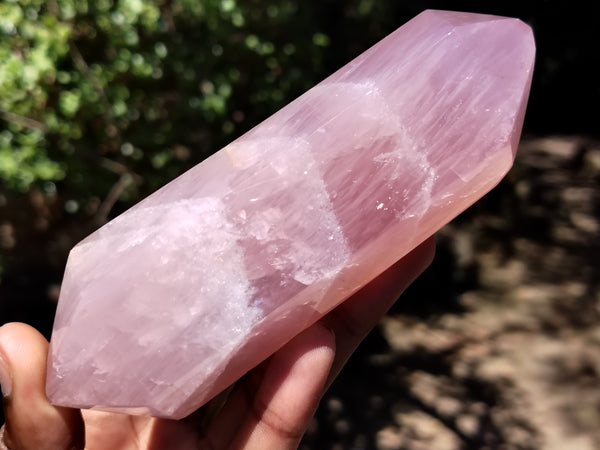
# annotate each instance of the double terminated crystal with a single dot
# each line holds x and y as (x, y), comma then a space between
(171, 302)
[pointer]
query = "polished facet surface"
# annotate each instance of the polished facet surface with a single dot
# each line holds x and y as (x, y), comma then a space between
(174, 300)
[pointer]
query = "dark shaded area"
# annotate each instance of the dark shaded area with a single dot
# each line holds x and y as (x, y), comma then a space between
(565, 91)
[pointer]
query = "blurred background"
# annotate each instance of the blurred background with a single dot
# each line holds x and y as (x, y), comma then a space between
(498, 344)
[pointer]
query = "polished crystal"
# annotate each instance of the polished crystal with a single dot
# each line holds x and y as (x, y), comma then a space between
(172, 301)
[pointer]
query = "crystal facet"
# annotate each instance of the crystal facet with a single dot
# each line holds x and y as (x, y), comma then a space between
(172, 301)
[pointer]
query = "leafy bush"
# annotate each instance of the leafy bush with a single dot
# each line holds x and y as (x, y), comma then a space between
(129, 93)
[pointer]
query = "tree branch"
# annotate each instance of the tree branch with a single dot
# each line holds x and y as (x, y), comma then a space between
(22, 120)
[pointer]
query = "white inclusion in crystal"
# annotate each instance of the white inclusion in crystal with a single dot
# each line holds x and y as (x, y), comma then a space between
(307, 248)
(206, 276)
(412, 160)
(386, 157)
(205, 245)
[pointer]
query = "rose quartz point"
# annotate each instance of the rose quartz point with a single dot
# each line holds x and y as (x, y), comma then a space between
(171, 302)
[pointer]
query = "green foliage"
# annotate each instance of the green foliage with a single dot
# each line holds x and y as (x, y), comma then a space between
(92, 90)
(31, 43)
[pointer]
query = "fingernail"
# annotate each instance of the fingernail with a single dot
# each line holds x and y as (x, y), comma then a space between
(5, 379)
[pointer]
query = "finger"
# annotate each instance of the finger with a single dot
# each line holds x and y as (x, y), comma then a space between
(31, 422)
(357, 316)
(280, 397)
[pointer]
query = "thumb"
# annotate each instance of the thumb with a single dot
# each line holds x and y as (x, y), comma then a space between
(31, 421)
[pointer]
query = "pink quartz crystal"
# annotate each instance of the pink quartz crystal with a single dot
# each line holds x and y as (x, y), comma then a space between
(171, 302)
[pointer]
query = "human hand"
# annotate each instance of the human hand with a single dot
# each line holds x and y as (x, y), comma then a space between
(269, 408)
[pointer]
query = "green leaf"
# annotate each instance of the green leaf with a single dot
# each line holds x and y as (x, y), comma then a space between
(69, 102)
